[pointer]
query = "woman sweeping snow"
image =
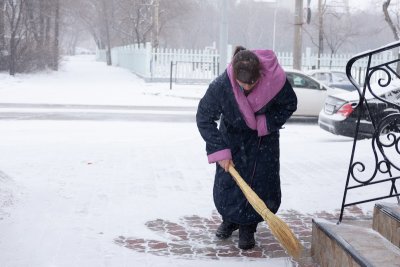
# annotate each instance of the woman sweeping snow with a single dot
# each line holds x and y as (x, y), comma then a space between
(252, 99)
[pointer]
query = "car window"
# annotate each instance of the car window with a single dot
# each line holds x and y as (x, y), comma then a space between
(323, 77)
(301, 81)
(339, 77)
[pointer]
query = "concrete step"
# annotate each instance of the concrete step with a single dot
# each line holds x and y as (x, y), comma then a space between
(351, 244)
(386, 221)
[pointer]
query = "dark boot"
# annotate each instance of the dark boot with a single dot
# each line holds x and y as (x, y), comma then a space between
(226, 229)
(246, 236)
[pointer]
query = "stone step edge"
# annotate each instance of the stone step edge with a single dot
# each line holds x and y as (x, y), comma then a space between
(349, 249)
(388, 210)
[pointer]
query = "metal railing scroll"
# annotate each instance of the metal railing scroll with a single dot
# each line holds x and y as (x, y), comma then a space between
(374, 169)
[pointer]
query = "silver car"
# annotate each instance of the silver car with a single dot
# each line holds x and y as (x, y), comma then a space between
(332, 78)
(311, 94)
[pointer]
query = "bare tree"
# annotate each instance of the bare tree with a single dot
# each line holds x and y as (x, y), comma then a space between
(334, 28)
(56, 34)
(3, 48)
(73, 31)
(37, 40)
(14, 12)
(97, 17)
(338, 30)
(394, 27)
(2, 26)
(135, 21)
(88, 13)
(141, 21)
(31, 33)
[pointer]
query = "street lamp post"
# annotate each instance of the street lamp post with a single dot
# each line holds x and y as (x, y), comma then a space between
(223, 36)
(274, 32)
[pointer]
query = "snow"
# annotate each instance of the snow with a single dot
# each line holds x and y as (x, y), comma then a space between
(68, 188)
(86, 82)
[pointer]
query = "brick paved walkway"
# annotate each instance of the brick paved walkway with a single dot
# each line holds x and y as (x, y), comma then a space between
(194, 237)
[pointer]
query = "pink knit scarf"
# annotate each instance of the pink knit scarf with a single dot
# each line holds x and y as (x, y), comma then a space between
(272, 80)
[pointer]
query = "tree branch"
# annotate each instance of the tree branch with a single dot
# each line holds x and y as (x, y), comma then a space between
(388, 19)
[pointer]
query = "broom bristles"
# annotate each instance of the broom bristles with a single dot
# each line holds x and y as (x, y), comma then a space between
(279, 228)
(285, 236)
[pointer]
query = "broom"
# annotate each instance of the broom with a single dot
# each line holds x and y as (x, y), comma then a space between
(279, 228)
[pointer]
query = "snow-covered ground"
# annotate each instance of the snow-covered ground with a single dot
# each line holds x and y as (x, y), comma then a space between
(69, 188)
(83, 81)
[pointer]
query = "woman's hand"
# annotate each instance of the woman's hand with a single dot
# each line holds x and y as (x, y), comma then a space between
(225, 163)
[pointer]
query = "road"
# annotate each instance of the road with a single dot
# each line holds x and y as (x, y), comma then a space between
(23, 111)
(18, 111)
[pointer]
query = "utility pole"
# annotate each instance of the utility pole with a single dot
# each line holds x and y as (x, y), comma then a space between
(298, 23)
(320, 31)
(223, 36)
(156, 23)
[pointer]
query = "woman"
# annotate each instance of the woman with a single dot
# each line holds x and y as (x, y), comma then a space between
(252, 99)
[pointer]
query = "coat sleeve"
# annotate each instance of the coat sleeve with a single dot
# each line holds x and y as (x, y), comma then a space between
(208, 113)
(283, 106)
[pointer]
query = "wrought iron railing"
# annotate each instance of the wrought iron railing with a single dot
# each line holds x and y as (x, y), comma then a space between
(380, 166)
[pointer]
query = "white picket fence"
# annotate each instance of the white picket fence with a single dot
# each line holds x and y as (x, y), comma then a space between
(158, 64)
(190, 65)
